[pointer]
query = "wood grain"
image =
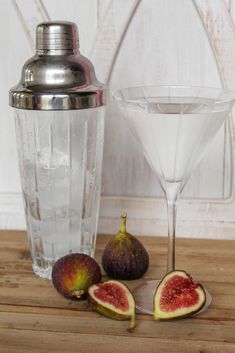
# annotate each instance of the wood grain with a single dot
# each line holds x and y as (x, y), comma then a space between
(35, 318)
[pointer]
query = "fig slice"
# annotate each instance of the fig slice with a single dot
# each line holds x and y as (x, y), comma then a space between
(177, 296)
(114, 300)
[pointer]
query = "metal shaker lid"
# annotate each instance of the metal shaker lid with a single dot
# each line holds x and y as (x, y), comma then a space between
(57, 77)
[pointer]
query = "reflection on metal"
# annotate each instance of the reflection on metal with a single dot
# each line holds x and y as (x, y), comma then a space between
(57, 77)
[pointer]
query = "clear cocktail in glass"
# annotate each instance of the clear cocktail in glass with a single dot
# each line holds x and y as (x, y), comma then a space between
(174, 125)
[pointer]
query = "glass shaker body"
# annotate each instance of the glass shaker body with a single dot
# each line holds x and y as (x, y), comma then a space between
(60, 155)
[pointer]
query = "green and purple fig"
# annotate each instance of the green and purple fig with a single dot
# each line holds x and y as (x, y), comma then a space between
(73, 274)
(177, 296)
(114, 300)
(124, 256)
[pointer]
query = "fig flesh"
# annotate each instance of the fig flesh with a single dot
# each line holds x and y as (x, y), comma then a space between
(124, 256)
(178, 296)
(114, 300)
(73, 274)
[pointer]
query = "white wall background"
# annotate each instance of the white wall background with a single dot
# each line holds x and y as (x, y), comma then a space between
(165, 44)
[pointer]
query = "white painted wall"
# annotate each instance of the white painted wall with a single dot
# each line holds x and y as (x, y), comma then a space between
(164, 44)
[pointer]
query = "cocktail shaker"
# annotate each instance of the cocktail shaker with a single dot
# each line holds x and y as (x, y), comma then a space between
(59, 115)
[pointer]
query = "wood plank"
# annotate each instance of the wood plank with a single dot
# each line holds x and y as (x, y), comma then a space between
(92, 323)
(37, 292)
(28, 340)
(17, 240)
(214, 314)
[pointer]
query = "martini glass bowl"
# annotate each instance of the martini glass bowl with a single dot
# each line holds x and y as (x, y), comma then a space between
(173, 125)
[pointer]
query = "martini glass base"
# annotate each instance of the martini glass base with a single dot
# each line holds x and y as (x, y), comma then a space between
(144, 294)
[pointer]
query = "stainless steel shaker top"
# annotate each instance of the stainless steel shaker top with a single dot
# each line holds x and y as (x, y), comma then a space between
(57, 77)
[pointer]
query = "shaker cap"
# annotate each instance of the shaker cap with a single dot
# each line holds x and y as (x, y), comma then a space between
(53, 38)
(57, 77)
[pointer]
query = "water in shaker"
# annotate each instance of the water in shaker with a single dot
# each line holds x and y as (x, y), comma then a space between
(60, 168)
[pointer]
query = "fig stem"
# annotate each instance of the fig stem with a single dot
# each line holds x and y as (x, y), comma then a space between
(123, 223)
(132, 324)
(79, 293)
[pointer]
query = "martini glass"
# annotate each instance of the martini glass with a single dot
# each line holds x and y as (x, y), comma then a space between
(173, 125)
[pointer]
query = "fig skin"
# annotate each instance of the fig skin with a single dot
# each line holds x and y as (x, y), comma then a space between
(73, 274)
(185, 312)
(124, 256)
(108, 310)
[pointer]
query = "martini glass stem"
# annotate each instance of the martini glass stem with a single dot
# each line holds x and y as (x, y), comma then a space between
(171, 212)
(171, 190)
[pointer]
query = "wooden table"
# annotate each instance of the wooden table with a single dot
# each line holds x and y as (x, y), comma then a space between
(34, 318)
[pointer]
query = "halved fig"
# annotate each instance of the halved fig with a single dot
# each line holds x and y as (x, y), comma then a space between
(178, 296)
(114, 300)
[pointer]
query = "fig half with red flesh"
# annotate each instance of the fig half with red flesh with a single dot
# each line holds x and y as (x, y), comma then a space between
(178, 296)
(114, 300)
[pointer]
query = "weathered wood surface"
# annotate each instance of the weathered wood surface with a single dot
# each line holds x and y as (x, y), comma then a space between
(35, 318)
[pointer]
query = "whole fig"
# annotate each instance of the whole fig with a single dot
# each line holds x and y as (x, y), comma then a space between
(124, 256)
(73, 274)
